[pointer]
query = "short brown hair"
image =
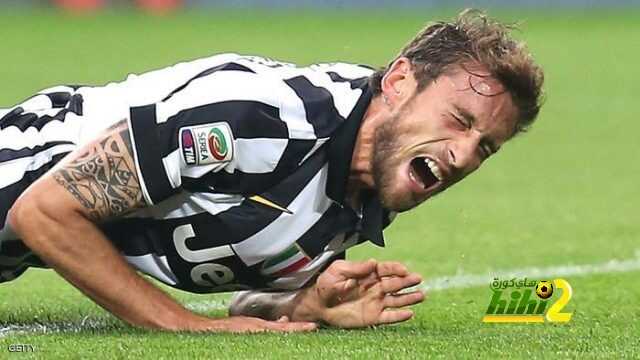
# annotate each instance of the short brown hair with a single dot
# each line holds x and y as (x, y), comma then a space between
(473, 37)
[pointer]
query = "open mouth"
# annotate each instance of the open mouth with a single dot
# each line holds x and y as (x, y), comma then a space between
(425, 172)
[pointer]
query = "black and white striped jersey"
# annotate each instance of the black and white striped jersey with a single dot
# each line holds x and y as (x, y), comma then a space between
(243, 163)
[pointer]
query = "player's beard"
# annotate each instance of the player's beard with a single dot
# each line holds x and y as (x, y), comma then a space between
(385, 165)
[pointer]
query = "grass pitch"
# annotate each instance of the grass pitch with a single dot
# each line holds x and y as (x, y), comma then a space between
(566, 193)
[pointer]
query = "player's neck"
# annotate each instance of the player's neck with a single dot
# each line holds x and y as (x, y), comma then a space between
(361, 171)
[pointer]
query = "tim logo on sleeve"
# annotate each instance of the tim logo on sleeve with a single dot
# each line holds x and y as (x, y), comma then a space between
(206, 144)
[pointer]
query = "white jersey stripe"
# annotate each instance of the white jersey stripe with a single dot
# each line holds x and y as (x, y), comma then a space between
(187, 204)
(143, 185)
(257, 155)
(172, 163)
(150, 87)
(315, 147)
(154, 265)
(13, 170)
(13, 138)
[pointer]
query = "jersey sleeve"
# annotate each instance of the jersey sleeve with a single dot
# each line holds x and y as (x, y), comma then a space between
(227, 129)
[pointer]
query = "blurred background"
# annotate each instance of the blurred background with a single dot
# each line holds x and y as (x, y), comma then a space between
(163, 6)
(172, 4)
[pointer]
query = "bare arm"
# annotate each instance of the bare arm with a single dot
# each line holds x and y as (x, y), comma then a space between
(56, 217)
(298, 305)
(347, 295)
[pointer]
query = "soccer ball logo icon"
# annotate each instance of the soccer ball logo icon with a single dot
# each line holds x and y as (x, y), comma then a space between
(544, 289)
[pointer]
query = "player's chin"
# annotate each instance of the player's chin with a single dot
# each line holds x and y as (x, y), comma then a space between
(397, 190)
(399, 201)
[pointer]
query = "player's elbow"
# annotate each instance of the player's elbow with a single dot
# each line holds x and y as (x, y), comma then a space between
(18, 216)
(34, 216)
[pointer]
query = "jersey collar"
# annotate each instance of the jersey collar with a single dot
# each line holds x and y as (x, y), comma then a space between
(340, 151)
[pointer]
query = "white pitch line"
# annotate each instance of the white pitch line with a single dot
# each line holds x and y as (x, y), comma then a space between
(207, 305)
(457, 281)
(461, 280)
(87, 324)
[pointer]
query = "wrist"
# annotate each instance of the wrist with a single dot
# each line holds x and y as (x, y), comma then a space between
(308, 306)
(179, 320)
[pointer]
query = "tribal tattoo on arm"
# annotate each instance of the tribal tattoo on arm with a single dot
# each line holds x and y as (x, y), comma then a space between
(103, 177)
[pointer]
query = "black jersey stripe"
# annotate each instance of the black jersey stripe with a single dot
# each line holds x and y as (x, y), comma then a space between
(18, 118)
(25, 120)
(59, 99)
(334, 220)
(295, 151)
(11, 114)
(335, 77)
(15, 252)
(143, 121)
(11, 154)
(76, 104)
(136, 236)
(318, 105)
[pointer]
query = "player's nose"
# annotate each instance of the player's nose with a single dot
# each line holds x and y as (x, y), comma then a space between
(464, 155)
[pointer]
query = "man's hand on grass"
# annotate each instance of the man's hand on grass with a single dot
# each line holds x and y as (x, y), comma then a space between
(246, 324)
(361, 294)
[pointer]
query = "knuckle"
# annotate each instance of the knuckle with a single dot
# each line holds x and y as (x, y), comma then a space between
(382, 268)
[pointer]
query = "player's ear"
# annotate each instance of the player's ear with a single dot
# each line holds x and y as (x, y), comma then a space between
(396, 84)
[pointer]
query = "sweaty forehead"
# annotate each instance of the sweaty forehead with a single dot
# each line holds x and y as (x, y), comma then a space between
(474, 78)
(484, 98)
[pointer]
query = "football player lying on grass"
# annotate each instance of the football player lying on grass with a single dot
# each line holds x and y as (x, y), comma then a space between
(244, 173)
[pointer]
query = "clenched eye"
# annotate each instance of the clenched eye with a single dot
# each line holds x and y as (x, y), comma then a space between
(465, 124)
